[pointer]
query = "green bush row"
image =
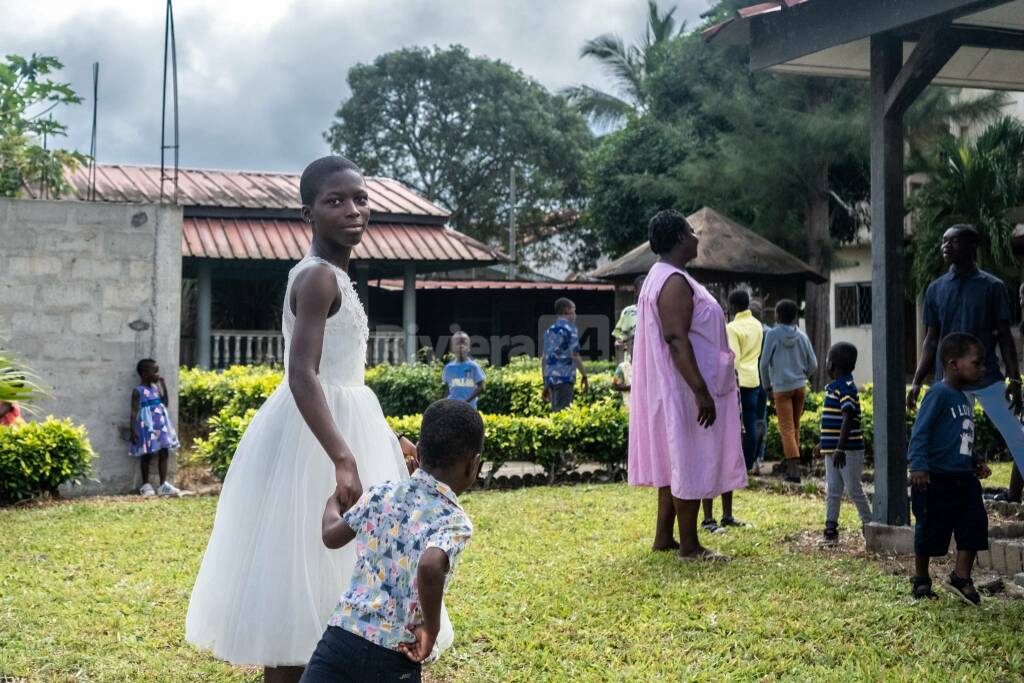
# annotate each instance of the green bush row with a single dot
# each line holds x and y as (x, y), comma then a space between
(37, 457)
(987, 440)
(581, 433)
(514, 389)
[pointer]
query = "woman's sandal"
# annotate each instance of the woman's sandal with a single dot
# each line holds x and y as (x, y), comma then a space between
(704, 555)
(955, 585)
(923, 588)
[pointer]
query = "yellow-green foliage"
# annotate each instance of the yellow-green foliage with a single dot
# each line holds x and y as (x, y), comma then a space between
(226, 430)
(36, 457)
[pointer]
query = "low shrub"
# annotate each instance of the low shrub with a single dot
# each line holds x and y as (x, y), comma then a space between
(592, 433)
(226, 430)
(401, 389)
(37, 457)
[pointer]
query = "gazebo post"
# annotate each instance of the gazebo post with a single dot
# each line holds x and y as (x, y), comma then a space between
(887, 322)
(204, 306)
(409, 312)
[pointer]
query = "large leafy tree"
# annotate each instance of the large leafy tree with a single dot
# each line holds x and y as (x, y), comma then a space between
(787, 155)
(27, 98)
(628, 66)
(981, 183)
(455, 127)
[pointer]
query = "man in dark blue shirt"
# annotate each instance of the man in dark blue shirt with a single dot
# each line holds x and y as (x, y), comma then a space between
(968, 300)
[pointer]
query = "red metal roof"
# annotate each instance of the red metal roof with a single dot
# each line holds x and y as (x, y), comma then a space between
(396, 285)
(745, 13)
(232, 189)
(267, 238)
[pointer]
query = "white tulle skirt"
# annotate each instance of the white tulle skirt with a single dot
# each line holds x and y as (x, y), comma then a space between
(267, 584)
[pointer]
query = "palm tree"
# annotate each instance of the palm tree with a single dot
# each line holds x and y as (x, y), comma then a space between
(981, 184)
(17, 383)
(629, 66)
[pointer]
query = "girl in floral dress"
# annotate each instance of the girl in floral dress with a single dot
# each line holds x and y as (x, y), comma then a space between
(152, 431)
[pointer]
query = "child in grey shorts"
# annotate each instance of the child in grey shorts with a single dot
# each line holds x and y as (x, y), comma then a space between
(842, 443)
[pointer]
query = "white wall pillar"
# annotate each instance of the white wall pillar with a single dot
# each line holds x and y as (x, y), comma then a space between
(204, 307)
(409, 312)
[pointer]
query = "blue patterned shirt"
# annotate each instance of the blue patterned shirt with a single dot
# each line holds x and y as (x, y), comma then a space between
(560, 342)
(395, 523)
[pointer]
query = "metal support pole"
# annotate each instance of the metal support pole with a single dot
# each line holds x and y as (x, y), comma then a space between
(203, 314)
(409, 312)
(887, 305)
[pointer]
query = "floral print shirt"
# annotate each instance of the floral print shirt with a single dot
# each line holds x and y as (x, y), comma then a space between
(395, 523)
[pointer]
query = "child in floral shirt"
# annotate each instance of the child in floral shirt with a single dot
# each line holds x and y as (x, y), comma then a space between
(409, 535)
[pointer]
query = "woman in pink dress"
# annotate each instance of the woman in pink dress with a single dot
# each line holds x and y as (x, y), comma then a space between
(684, 423)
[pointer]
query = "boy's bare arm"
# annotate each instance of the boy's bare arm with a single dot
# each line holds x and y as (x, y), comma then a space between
(839, 456)
(430, 574)
(476, 394)
(134, 414)
(335, 530)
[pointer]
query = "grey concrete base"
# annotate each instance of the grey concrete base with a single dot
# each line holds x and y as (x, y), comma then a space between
(1003, 556)
(882, 538)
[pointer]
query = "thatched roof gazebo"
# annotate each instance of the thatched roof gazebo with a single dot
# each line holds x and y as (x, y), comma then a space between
(728, 254)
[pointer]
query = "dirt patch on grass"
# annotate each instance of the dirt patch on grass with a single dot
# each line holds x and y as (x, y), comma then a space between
(989, 583)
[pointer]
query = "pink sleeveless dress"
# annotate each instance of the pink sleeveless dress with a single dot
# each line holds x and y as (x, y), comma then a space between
(666, 445)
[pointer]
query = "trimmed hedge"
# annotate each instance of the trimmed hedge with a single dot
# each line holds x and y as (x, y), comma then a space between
(401, 389)
(37, 457)
(520, 425)
(590, 433)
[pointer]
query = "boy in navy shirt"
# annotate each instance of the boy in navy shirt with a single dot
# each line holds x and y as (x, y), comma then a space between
(463, 377)
(946, 496)
(842, 443)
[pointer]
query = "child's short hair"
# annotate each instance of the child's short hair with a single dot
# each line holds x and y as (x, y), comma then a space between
(844, 355)
(786, 311)
(313, 176)
(563, 305)
(739, 299)
(143, 364)
(958, 345)
(451, 431)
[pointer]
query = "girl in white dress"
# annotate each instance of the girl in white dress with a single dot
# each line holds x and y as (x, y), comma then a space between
(267, 584)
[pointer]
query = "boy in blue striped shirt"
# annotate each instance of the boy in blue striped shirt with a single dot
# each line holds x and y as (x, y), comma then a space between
(842, 443)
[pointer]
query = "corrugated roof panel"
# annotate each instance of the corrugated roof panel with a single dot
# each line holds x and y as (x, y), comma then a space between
(289, 240)
(234, 189)
(515, 285)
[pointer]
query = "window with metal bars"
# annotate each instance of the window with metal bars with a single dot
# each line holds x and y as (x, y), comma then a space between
(853, 304)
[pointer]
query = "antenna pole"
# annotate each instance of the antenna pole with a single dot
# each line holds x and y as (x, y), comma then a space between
(170, 46)
(91, 196)
(512, 222)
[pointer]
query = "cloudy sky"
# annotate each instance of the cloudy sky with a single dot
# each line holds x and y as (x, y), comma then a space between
(259, 80)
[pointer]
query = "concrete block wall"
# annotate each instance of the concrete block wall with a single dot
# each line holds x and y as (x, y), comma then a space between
(86, 289)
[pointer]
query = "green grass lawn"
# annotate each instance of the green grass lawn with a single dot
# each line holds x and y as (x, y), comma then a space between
(558, 585)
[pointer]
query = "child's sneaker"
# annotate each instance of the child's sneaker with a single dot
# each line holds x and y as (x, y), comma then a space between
(732, 521)
(922, 588)
(958, 587)
(831, 535)
(168, 489)
(147, 490)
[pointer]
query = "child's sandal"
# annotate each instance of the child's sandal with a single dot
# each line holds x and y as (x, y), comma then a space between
(958, 586)
(923, 588)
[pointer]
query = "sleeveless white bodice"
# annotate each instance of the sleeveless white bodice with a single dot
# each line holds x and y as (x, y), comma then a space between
(343, 358)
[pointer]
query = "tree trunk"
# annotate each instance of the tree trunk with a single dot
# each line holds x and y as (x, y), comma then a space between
(819, 256)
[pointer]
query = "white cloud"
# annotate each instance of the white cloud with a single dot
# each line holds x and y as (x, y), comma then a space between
(260, 81)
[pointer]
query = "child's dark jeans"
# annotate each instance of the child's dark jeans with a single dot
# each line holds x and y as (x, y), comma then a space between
(343, 657)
